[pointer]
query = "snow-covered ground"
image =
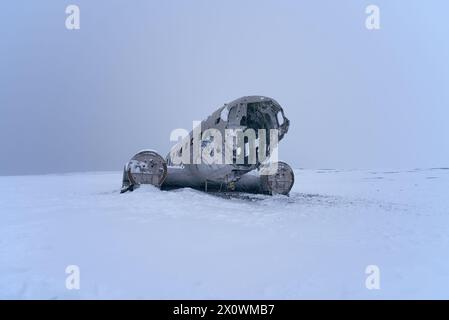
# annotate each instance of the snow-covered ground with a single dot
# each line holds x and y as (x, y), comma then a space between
(187, 244)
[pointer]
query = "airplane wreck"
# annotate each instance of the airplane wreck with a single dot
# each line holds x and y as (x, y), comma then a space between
(233, 150)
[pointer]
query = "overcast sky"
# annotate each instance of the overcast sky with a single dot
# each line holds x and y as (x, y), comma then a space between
(88, 99)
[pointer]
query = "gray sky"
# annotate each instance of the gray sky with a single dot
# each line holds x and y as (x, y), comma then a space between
(89, 99)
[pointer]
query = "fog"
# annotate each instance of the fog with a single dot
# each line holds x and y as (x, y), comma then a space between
(88, 99)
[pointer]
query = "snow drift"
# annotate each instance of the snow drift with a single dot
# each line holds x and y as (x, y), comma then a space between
(187, 244)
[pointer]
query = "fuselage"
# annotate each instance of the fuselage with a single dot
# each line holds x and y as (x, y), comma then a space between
(214, 153)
